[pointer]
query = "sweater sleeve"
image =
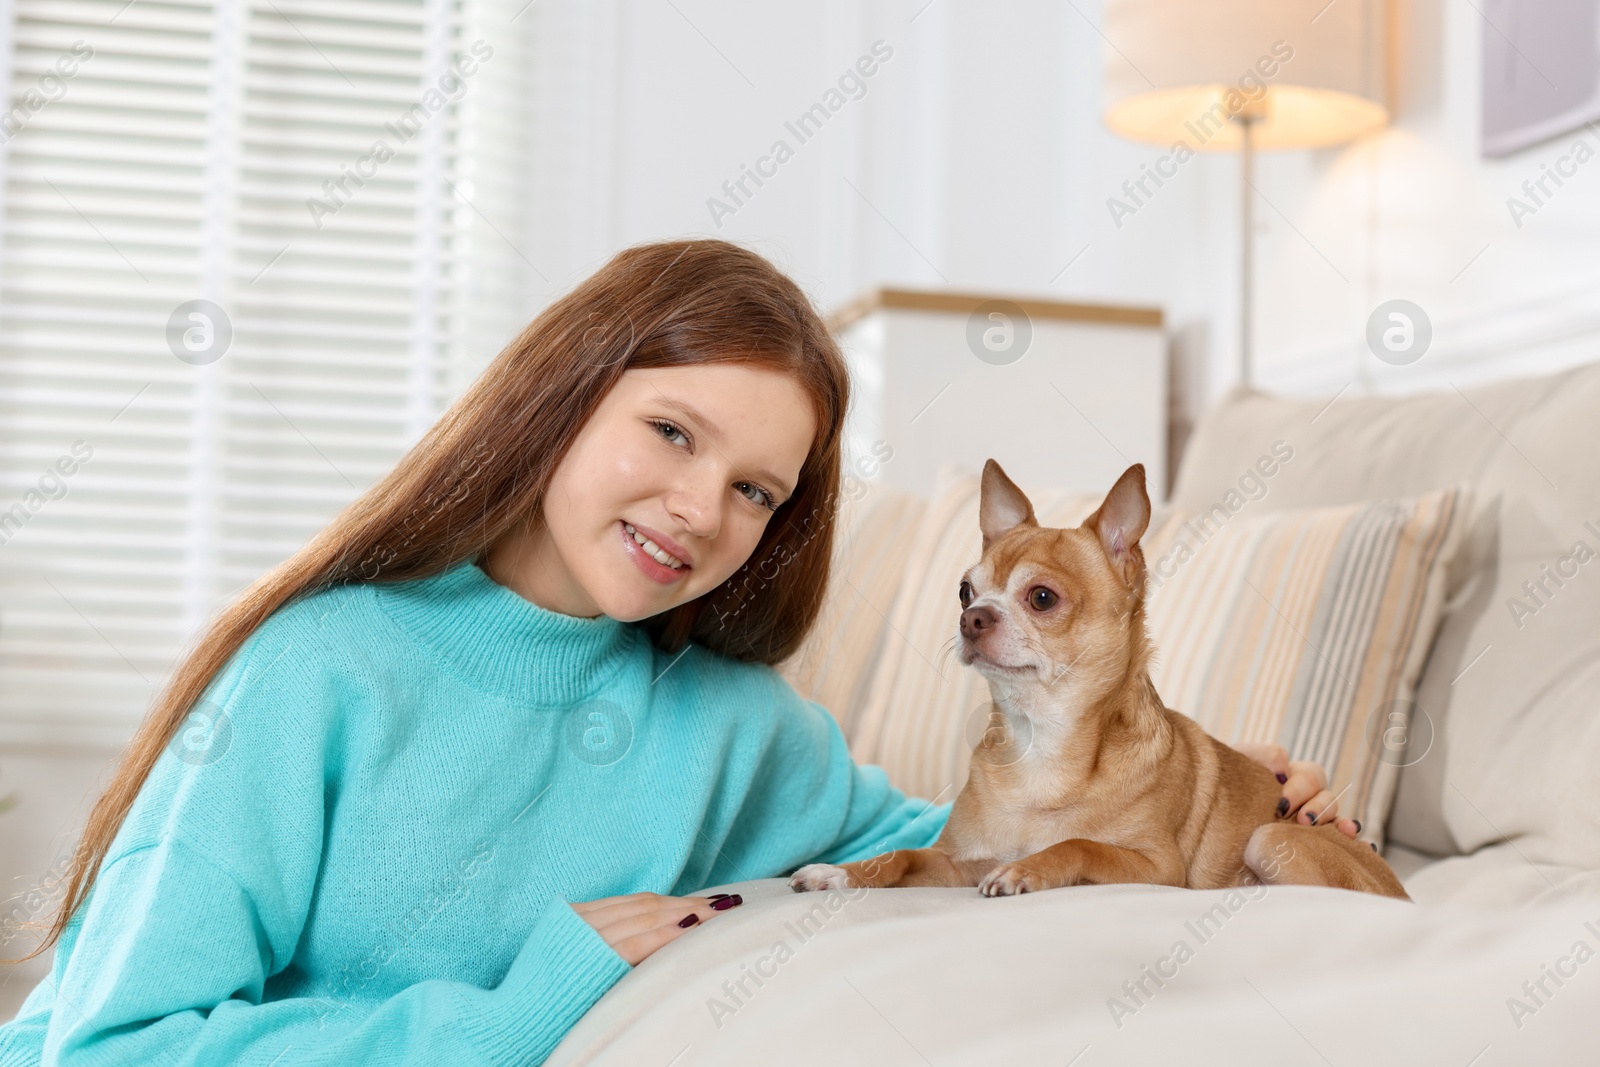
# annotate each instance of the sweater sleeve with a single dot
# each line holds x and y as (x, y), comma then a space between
(171, 959)
(881, 818)
(808, 801)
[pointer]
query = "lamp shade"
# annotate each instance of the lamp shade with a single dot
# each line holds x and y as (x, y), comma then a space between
(1310, 72)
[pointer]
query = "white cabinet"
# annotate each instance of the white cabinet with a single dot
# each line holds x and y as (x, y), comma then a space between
(1061, 395)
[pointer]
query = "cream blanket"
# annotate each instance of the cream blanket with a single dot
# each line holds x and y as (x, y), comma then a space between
(1495, 964)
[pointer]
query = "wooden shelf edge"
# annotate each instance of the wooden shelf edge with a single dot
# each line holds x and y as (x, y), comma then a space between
(966, 303)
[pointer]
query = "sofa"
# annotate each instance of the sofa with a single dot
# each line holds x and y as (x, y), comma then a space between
(1493, 819)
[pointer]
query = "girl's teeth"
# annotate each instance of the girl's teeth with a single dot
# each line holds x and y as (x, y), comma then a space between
(655, 551)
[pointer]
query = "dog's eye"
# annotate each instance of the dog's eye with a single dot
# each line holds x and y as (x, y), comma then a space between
(1041, 598)
(964, 592)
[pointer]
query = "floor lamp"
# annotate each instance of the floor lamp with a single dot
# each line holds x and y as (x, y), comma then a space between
(1245, 75)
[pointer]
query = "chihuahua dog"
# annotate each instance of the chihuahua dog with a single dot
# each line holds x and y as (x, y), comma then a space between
(1094, 780)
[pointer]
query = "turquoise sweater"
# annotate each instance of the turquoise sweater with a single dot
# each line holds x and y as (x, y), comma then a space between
(367, 852)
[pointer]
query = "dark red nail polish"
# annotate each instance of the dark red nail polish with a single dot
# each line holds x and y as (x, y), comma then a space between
(1358, 824)
(1312, 816)
(716, 896)
(1282, 778)
(1374, 845)
(1283, 806)
(689, 920)
(727, 902)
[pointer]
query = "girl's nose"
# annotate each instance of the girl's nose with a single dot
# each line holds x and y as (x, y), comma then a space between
(697, 504)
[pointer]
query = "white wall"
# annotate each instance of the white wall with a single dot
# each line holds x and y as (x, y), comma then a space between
(977, 159)
(1417, 213)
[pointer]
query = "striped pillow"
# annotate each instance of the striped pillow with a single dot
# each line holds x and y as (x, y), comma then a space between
(1306, 629)
(835, 662)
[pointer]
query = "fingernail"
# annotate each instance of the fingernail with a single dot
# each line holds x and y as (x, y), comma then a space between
(1283, 806)
(727, 902)
(1374, 845)
(1358, 824)
(1282, 778)
(1312, 816)
(689, 920)
(716, 896)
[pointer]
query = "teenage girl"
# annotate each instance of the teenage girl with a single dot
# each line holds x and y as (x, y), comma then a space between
(429, 788)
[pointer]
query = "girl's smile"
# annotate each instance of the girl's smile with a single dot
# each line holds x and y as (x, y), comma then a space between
(646, 549)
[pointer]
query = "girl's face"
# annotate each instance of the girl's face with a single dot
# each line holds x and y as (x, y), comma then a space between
(693, 458)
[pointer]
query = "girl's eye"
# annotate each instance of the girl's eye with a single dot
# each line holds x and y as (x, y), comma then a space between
(964, 592)
(660, 423)
(669, 429)
(770, 502)
(1041, 599)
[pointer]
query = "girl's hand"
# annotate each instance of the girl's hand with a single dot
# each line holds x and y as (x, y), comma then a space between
(1304, 786)
(639, 923)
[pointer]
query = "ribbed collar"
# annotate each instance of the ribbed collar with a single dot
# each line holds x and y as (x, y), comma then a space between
(504, 645)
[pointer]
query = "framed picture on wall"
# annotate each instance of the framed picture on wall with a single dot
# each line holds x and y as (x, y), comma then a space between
(1541, 71)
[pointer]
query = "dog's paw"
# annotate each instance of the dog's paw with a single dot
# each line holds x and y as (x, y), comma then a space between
(814, 876)
(1010, 879)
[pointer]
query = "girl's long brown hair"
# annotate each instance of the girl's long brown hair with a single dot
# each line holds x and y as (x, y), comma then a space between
(483, 467)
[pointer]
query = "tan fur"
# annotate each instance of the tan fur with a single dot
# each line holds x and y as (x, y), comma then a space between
(1091, 779)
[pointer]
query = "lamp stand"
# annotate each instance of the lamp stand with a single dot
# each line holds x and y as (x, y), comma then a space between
(1246, 119)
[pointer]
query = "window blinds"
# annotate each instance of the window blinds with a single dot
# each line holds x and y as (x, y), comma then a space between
(244, 263)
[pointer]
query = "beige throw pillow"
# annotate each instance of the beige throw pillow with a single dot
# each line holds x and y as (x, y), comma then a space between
(835, 663)
(1306, 628)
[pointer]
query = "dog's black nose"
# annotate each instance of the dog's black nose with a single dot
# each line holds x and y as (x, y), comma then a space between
(975, 620)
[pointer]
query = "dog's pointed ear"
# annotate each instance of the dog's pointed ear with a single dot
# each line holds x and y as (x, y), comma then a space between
(1001, 505)
(1121, 520)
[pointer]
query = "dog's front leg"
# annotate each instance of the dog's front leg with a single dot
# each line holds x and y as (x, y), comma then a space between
(1079, 861)
(902, 867)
